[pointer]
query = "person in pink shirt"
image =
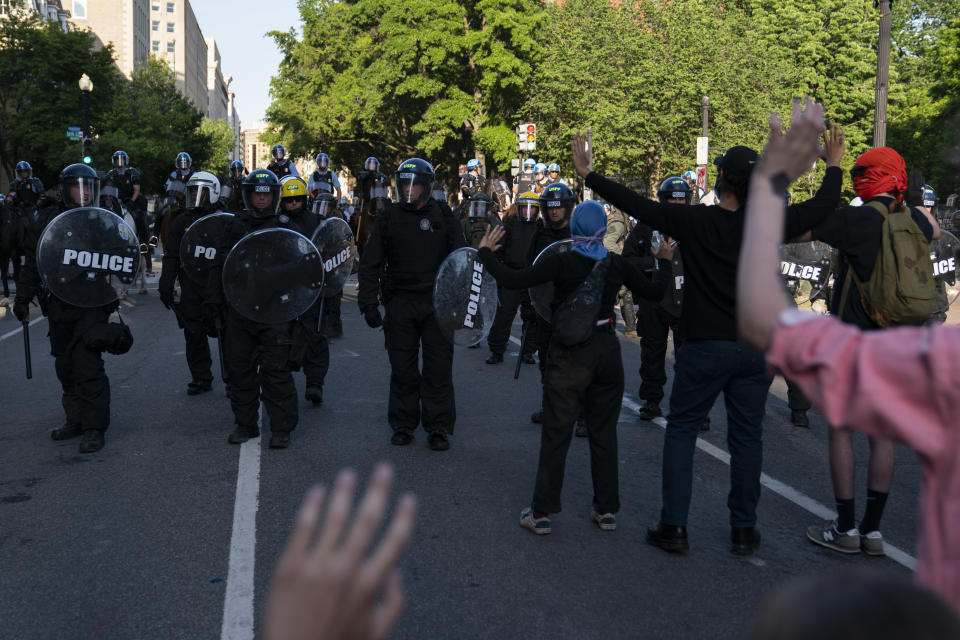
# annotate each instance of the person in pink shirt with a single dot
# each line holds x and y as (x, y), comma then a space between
(896, 383)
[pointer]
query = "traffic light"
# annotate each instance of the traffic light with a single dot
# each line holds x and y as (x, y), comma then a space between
(531, 137)
(526, 136)
(87, 151)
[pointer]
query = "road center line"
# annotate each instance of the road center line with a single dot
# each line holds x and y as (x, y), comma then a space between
(20, 328)
(780, 488)
(238, 618)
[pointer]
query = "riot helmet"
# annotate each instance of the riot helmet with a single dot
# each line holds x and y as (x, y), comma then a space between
(689, 177)
(554, 171)
(120, 160)
(324, 205)
(528, 206)
(261, 193)
(557, 200)
(323, 161)
(79, 186)
(24, 167)
(929, 198)
(472, 164)
(278, 152)
(675, 190)
(540, 168)
(203, 190)
(529, 164)
(414, 181)
(293, 193)
(183, 161)
(237, 169)
(371, 164)
(480, 205)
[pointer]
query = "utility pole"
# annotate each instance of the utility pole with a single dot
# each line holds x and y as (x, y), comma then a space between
(883, 74)
(703, 149)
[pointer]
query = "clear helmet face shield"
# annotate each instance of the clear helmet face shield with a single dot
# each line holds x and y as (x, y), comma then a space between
(198, 196)
(528, 211)
(413, 189)
(81, 191)
(478, 209)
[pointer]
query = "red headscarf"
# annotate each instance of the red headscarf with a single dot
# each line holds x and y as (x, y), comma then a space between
(885, 172)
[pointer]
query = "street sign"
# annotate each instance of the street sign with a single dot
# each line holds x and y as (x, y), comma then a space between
(702, 149)
(702, 177)
(74, 133)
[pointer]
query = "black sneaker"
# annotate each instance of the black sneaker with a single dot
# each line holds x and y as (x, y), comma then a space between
(649, 411)
(196, 388)
(314, 395)
(66, 432)
(438, 441)
(241, 435)
(401, 438)
(799, 419)
(537, 417)
(495, 358)
(280, 440)
(92, 441)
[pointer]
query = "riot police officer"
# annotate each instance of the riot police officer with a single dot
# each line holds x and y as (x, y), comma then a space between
(519, 230)
(256, 354)
(181, 171)
(26, 191)
(308, 336)
(235, 180)
(479, 215)
(126, 180)
(281, 165)
(409, 241)
(372, 191)
(553, 174)
(77, 359)
(324, 180)
(526, 180)
(331, 324)
(203, 197)
(472, 182)
(542, 181)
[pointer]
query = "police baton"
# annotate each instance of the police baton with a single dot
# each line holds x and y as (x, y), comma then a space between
(219, 325)
(26, 349)
(523, 343)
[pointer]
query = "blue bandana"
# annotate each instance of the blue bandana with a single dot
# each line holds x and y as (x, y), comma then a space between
(587, 228)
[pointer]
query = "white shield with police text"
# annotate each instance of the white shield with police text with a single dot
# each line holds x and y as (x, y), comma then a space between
(541, 296)
(464, 297)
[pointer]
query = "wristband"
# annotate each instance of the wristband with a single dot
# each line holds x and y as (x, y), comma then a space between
(780, 182)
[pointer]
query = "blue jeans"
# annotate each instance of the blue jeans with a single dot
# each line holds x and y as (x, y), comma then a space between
(704, 368)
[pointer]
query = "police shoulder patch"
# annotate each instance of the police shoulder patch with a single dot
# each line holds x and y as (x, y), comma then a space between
(425, 224)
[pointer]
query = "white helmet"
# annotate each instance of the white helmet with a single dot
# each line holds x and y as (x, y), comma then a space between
(203, 190)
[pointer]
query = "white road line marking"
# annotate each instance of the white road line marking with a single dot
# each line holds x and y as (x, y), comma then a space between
(781, 489)
(20, 328)
(785, 491)
(238, 616)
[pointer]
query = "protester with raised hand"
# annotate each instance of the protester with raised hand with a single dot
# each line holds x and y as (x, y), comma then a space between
(329, 583)
(898, 383)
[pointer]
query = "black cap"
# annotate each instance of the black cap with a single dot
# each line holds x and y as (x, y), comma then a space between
(737, 163)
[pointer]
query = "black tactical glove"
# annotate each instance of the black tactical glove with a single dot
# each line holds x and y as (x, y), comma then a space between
(21, 310)
(166, 297)
(210, 314)
(373, 317)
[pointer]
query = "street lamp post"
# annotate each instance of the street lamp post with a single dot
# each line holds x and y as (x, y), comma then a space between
(883, 74)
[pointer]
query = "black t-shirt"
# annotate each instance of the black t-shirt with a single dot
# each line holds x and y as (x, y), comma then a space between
(856, 233)
(569, 269)
(710, 238)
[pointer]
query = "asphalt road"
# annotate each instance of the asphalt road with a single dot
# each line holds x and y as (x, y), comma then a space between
(135, 541)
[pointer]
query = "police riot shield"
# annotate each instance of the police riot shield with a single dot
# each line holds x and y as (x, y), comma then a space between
(88, 256)
(806, 268)
(198, 247)
(945, 256)
(333, 238)
(464, 297)
(541, 296)
(272, 275)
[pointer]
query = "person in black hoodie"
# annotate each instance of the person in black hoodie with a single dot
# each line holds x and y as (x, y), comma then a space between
(584, 373)
(711, 359)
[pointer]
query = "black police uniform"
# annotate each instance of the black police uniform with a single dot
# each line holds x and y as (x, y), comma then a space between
(583, 379)
(471, 184)
(282, 169)
(322, 182)
(124, 182)
(309, 336)
(189, 311)
(256, 355)
(544, 236)
(403, 253)
(475, 228)
(26, 194)
(79, 366)
(518, 235)
(525, 182)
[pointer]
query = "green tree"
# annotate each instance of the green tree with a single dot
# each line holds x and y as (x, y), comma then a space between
(221, 141)
(437, 78)
(40, 67)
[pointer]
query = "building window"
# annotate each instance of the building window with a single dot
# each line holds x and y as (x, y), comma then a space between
(171, 47)
(155, 25)
(80, 9)
(155, 5)
(155, 45)
(170, 7)
(4, 7)
(170, 27)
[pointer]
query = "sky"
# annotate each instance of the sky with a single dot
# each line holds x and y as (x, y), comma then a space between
(246, 53)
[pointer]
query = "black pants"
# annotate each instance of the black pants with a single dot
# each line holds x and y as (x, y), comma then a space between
(586, 379)
(316, 358)
(86, 388)
(796, 399)
(190, 318)
(654, 325)
(510, 300)
(256, 357)
(416, 394)
(332, 322)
